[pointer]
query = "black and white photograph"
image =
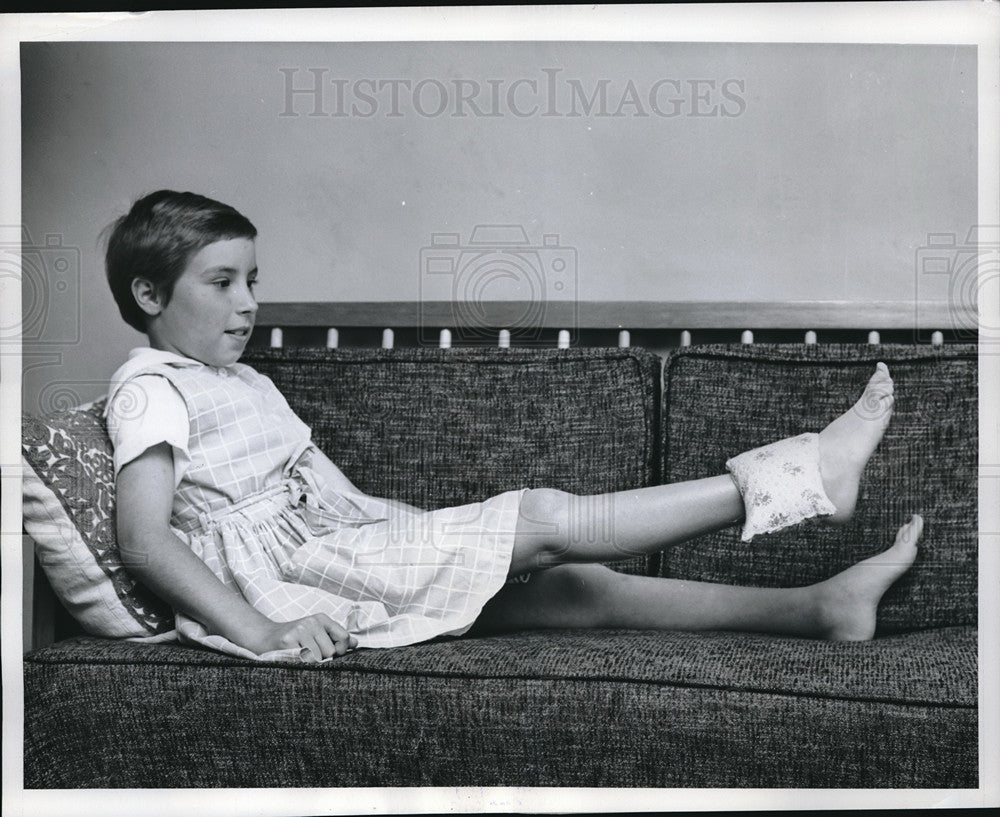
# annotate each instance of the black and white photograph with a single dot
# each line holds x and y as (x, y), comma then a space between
(501, 409)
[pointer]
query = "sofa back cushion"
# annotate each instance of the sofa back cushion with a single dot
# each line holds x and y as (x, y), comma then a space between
(430, 427)
(721, 400)
(437, 427)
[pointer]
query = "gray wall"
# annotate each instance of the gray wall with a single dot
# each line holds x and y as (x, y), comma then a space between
(768, 172)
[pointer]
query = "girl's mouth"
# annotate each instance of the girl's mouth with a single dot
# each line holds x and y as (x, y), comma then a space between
(242, 332)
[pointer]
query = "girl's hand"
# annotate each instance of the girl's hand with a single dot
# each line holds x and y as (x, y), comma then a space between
(318, 633)
(168, 567)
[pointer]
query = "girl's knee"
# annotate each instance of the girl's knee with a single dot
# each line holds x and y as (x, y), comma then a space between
(542, 526)
(545, 507)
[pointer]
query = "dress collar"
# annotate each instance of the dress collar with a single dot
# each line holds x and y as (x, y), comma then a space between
(143, 357)
(146, 355)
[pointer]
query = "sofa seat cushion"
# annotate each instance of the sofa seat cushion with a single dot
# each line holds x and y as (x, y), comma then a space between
(575, 708)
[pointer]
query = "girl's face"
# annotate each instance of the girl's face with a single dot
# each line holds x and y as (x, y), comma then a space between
(211, 313)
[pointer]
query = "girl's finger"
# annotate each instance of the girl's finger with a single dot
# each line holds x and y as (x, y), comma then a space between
(325, 644)
(309, 643)
(340, 636)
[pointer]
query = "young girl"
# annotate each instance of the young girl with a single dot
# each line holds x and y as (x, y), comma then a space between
(266, 549)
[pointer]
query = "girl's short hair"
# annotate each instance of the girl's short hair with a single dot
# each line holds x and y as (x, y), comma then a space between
(156, 239)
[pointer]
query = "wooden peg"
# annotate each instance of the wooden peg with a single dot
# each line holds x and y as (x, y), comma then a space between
(810, 338)
(624, 339)
(388, 338)
(685, 338)
(504, 340)
(277, 337)
(444, 341)
(332, 338)
(874, 338)
(747, 337)
(937, 339)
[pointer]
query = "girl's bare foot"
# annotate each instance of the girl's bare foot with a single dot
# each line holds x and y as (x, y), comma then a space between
(846, 445)
(848, 602)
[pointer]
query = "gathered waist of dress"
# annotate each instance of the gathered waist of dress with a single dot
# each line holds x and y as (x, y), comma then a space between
(296, 492)
(257, 505)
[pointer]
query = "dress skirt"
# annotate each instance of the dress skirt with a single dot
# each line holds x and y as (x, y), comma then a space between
(390, 577)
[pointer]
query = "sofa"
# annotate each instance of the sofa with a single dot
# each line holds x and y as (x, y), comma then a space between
(559, 708)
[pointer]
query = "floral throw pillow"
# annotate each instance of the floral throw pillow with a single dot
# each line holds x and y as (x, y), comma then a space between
(69, 512)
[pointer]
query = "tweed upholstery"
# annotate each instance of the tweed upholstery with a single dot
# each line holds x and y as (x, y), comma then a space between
(720, 400)
(433, 428)
(565, 708)
(574, 708)
(437, 427)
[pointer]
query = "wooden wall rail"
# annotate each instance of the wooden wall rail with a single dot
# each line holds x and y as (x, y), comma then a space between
(812, 315)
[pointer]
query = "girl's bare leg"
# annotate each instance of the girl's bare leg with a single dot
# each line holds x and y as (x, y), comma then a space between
(840, 608)
(560, 528)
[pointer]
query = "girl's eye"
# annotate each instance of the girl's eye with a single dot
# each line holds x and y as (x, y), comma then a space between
(222, 283)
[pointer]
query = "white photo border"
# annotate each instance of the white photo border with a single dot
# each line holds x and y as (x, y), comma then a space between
(962, 22)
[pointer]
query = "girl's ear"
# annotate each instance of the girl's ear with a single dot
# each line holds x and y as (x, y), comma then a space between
(147, 296)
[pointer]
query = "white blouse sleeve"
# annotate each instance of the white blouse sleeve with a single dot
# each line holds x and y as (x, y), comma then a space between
(147, 411)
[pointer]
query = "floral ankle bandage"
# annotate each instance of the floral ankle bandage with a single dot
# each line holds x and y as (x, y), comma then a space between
(780, 484)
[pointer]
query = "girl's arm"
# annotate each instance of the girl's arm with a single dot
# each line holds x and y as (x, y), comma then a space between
(338, 481)
(164, 563)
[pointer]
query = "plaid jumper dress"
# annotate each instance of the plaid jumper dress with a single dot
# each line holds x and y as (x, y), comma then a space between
(251, 507)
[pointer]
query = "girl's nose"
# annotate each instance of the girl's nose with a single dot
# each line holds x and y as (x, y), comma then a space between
(248, 304)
